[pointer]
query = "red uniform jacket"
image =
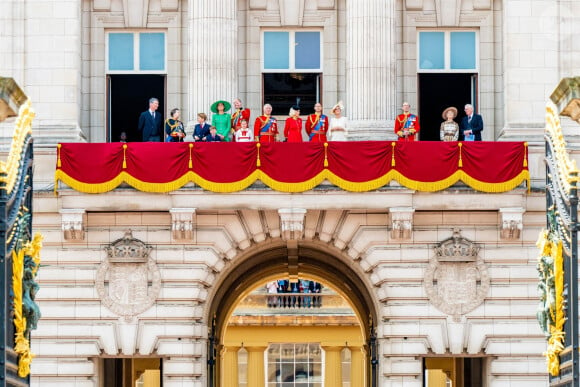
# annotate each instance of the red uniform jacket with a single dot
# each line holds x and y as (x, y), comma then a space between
(265, 129)
(312, 122)
(408, 125)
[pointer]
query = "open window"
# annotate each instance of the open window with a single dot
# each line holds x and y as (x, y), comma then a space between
(291, 69)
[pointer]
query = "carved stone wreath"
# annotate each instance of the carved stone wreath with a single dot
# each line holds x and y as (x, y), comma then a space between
(456, 280)
(128, 281)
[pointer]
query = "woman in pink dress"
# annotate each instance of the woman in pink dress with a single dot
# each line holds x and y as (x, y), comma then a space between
(293, 127)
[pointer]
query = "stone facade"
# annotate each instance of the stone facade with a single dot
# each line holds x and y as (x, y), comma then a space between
(57, 52)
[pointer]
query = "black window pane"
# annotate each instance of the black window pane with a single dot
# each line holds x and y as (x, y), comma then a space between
(281, 90)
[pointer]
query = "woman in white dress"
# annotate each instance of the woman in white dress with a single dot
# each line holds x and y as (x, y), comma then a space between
(337, 128)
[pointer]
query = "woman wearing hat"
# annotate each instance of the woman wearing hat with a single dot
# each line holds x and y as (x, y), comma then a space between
(337, 128)
(293, 126)
(449, 130)
(221, 120)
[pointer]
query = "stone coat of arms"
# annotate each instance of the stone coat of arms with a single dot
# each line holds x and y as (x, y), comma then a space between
(128, 281)
(456, 280)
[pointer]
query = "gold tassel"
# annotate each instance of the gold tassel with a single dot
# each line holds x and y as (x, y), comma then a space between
(460, 155)
(124, 156)
(325, 155)
(393, 154)
(525, 154)
(58, 163)
(258, 163)
(190, 160)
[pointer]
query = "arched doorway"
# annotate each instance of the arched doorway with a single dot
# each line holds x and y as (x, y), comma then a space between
(292, 259)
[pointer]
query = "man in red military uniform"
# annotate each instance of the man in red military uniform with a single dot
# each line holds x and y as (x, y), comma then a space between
(406, 124)
(266, 126)
(317, 125)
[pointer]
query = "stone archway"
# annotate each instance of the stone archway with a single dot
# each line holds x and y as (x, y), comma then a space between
(276, 258)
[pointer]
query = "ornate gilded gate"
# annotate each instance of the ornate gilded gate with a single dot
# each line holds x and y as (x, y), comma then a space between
(558, 260)
(19, 251)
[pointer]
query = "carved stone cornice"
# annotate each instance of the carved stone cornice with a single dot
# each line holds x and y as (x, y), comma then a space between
(73, 224)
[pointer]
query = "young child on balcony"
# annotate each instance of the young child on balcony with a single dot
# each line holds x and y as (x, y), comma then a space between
(213, 136)
(243, 134)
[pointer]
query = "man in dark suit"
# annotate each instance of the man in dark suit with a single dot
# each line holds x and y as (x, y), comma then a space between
(471, 124)
(151, 122)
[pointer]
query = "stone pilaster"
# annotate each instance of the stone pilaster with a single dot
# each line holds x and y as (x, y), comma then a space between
(52, 69)
(213, 53)
(370, 68)
(230, 366)
(256, 366)
(332, 366)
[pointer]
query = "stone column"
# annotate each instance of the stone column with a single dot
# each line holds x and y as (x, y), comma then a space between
(370, 68)
(357, 367)
(213, 53)
(332, 366)
(256, 372)
(230, 366)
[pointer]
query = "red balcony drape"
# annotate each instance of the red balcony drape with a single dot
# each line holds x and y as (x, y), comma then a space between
(293, 167)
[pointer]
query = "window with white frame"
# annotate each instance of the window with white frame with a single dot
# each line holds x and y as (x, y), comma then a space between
(291, 69)
(447, 51)
(294, 365)
(136, 52)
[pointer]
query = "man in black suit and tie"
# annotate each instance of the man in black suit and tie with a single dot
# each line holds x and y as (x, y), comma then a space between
(151, 122)
(471, 125)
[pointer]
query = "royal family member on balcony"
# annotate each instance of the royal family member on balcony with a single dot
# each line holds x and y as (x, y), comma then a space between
(317, 125)
(240, 113)
(406, 124)
(293, 127)
(213, 136)
(449, 130)
(174, 130)
(244, 134)
(201, 129)
(123, 136)
(266, 126)
(337, 129)
(151, 122)
(471, 125)
(272, 288)
(221, 120)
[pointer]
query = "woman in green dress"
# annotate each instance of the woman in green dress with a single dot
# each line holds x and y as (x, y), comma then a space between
(221, 120)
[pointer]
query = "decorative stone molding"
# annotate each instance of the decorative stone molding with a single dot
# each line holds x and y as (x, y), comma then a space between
(456, 280)
(483, 5)
(291, 12)
(401, 222)
(182, 223)
(292, 223)
(413, 5)
(128, 281)
(101, 5)
(511, 223)
(169, 5)
(73, 224)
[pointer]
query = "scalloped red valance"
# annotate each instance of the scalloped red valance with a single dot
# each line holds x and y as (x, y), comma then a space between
(293, 167)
